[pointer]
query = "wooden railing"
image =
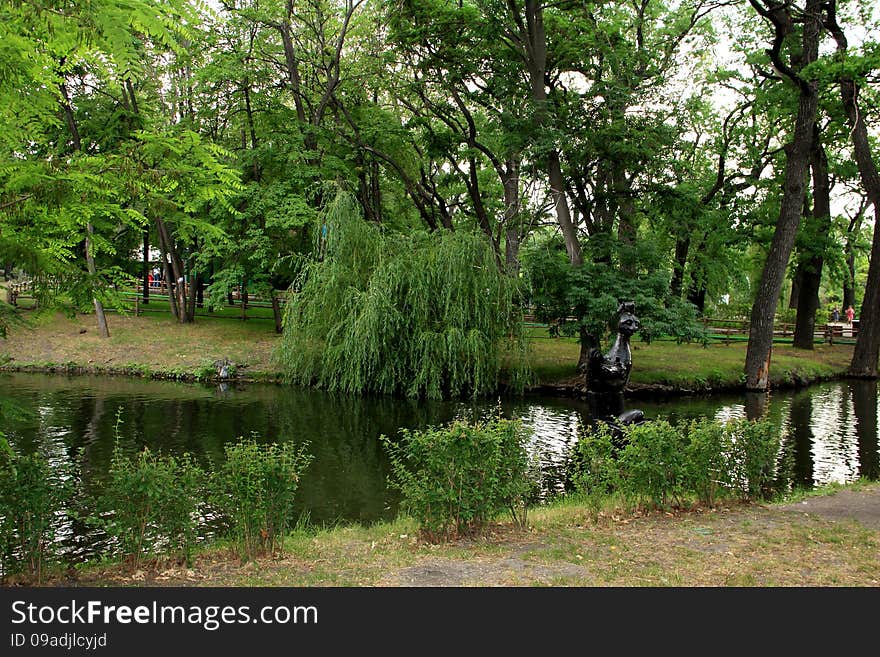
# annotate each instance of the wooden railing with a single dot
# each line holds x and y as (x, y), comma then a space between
(735, 330)
(729, 330)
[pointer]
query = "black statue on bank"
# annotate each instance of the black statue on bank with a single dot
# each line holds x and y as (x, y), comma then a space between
(608, 373)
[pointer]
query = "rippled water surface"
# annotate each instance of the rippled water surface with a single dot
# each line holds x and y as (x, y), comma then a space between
(830, 429)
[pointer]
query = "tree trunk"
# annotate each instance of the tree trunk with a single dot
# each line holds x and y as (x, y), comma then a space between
(849, 292)
(697, 296)
(757, 365)
(512, 219)
(867, 349)
(276, 313)
(794, 295)
(103, 329)
(682, 247)
(76, 142)
(146, 271)
(193, 295)
(810, 270)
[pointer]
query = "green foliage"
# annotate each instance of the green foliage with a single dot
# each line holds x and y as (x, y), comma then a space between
(592, 292)
(707, 456)
(594, 471)
(661, 464)
(425, 315)
(653, 464)
(456, 478)
(32, 497)
(753, 450)
(150, 503)
(255, 490)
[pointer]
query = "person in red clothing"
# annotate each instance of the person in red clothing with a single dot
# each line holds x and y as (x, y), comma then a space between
(850, 314)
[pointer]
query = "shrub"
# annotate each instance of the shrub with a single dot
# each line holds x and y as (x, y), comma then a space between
(661, 464)
(652, 464)
(456, 478)
(32, 496)
(707, 456)
(255, 489)
(754, 446)
(150, 502)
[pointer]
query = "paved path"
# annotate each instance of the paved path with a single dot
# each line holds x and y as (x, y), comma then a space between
(861, 505)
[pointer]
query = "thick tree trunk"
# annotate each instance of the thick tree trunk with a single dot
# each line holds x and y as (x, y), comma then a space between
(682, 248)
(697, 296)
(867, 349)
(794, 295)
(195, 281)
(757, 365)
(810, 270)
(512, 219)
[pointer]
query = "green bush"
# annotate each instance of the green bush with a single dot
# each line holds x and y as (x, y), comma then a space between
(255, 489)
(653, 465)
(150, 502)
(32, 496)
(708, 459)
(456, 478)
(753, 450)
(663, 464)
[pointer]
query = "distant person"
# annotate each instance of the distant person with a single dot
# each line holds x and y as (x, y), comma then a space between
(850, 314)
(835, 315)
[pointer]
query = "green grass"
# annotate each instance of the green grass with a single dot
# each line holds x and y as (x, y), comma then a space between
(154, 344)
(694, 366)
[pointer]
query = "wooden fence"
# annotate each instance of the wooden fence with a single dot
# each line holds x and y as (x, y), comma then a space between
(730, 330)
(736, 330)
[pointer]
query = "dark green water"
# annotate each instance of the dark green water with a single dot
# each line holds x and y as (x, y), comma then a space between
(830, 429)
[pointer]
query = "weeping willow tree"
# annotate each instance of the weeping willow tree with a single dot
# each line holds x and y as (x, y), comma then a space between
(423, 315)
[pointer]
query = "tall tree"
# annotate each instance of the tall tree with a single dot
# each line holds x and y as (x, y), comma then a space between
(792, 50)
(867, 349)
(817, 227)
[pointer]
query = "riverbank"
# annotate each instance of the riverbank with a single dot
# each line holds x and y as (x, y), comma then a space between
(829, 538)
(154, 346)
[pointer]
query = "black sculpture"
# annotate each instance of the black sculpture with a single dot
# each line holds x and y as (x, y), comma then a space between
(609, 372)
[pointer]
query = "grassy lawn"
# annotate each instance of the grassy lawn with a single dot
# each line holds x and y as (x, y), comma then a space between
(694, 366)
(153, 343)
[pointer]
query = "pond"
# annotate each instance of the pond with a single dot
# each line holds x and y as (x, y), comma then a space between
(830, 429)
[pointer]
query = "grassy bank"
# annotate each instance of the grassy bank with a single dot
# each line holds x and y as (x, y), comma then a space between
(718, 366)
(565, 544)
(153, 345)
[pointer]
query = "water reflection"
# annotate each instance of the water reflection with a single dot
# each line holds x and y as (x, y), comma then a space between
(829, 430)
